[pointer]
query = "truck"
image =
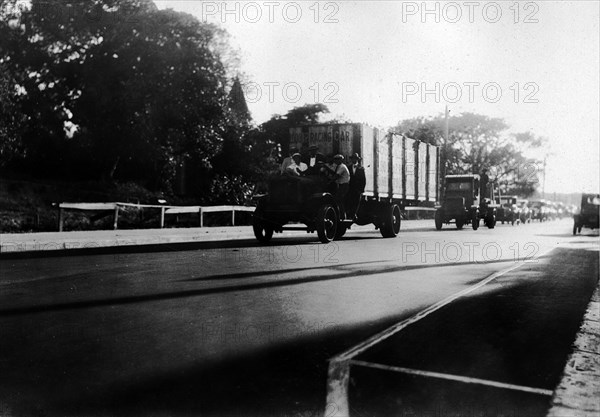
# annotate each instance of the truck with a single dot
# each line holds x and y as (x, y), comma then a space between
(400, 172)
(462, 204)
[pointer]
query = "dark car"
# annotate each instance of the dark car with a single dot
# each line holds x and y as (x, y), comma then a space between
(508, 211)
(539, 210)
(588, 213)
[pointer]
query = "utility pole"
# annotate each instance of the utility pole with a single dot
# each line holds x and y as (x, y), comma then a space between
(544, 182)
(444, 152)
(446, 140)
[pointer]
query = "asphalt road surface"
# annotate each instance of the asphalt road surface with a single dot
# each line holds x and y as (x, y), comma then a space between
(242, 329)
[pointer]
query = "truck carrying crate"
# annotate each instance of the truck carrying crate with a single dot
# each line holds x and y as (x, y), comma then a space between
(399, 172)
(397, 168)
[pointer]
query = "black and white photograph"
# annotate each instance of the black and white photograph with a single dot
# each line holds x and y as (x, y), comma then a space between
(303, 208)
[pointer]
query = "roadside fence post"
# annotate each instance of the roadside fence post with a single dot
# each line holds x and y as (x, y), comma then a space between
(116, 219)
(60, 218)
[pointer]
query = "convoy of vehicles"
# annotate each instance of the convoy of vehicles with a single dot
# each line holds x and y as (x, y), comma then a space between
(588, 213)
(399, 172)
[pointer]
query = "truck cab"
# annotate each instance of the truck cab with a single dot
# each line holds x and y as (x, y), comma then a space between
(462, 203)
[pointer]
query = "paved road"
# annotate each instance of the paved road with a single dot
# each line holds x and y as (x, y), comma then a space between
(240, 329)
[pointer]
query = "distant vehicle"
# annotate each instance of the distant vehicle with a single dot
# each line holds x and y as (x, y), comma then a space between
(399, 172)
(562, 210)
(571, 210)
(552, 210)
(539, 211)
(508, 210)
(588, 213)
(524, 211)
(462, 204)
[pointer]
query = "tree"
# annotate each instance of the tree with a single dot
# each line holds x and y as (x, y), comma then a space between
(118, 87)
(11, 120)
(476, 142)
(276, 130)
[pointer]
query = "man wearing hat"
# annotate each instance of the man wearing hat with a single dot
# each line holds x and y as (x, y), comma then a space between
(296, 168)
(287, 160)
(483, 184)
(356, 186)
(342, 179)
(313, 159)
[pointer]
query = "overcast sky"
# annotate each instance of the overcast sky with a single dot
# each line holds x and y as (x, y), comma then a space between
(534, 64)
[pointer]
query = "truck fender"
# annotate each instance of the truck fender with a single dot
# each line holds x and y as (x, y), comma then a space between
(318, 199)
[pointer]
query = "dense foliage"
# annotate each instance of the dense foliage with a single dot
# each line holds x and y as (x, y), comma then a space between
(112, 89)
(476, 142)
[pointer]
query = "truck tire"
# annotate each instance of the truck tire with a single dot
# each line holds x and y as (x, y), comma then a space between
(327, 223)
(459, 223)
(340, 231)
(392, 218)
(475, 220)
(439, 221)
(491, 222)
(262, 232)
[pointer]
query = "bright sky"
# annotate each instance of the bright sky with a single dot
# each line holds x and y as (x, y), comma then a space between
(534, 64)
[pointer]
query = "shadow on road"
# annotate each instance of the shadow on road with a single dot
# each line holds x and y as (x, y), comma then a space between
(309, 276)
(517, 329)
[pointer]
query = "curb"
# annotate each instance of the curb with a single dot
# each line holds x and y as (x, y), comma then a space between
(53, 241)
(578, 394)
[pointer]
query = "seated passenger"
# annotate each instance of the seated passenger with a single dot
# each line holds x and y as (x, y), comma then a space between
(313, 160)
(296, 168)
(288, 160)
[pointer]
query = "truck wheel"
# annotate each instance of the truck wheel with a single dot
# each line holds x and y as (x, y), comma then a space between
(340, 232)
(574, 228)
(262, 233)
(439, 221)
(491, 222)
(327, 223)
(391, 225)
(475, 221)
(459, 223)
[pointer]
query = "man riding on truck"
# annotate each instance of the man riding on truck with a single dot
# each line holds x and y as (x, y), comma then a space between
(342, 179)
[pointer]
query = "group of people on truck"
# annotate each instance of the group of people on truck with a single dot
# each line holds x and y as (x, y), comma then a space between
(346, 184)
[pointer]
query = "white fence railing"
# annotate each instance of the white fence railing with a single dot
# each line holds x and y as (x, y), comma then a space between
(164, 210)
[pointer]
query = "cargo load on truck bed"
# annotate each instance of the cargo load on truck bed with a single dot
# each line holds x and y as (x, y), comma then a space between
(396, 167)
